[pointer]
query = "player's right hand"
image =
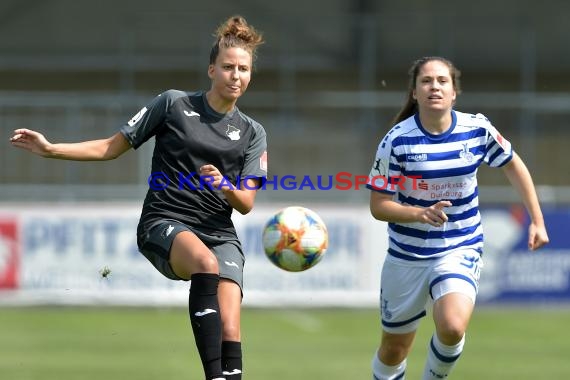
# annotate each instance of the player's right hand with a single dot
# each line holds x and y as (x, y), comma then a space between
(31, 141)
(434, 215)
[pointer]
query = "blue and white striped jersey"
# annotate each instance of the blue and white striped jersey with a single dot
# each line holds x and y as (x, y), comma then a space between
(421, 169)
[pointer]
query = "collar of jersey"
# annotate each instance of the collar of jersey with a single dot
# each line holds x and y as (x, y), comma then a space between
(215, 113)
(442, 135)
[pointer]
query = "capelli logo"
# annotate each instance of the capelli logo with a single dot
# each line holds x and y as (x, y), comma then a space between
(417, 157)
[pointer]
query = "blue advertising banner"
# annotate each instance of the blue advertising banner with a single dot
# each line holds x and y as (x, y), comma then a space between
(513, 273)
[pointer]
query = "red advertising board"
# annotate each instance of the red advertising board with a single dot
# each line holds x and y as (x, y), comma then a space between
(9, 255)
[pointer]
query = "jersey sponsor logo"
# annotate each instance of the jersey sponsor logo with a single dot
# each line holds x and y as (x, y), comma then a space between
(423, 185)
(191, 113)
(233, 133)
(204, 312)
(263, 161)
(417, 157)
(137, 117)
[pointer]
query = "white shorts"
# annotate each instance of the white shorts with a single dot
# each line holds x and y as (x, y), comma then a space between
(407, 286)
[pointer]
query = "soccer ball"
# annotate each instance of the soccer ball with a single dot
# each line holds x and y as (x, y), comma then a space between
(295, 238)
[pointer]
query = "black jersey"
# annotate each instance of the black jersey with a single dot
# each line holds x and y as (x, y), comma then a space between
(188, 134)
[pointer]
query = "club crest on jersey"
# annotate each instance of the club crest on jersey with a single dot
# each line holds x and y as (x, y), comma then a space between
(233, 133)
(466, 154)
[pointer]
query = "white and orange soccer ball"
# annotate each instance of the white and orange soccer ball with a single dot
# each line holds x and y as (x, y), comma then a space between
(295, 238)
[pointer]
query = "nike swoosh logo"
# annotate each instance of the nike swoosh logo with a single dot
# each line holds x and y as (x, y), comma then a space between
(191, 113)
(231, 264)
(204, 312)
(234, 372)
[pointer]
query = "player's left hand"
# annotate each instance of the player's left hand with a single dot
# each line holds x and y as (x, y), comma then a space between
(537, 236)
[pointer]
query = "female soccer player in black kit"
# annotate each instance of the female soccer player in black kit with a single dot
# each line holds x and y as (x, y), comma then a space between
(209, 158)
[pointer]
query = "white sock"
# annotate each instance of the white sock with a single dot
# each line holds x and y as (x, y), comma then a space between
(382, 371)
(441, 358)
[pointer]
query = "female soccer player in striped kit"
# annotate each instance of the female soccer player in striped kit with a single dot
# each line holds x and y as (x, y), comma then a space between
(423, 183)
(186, 231)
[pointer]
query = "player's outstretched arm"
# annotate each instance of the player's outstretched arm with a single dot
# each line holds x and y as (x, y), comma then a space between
(92, 150)
(383, 207)
(519, 176)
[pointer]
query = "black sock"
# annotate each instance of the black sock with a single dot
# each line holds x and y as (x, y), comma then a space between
(206, 323)
(231, 360)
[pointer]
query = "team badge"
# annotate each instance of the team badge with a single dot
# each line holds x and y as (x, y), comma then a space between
(466, 154)
(233, 133)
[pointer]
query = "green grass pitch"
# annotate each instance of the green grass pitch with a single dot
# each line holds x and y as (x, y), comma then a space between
(51, 343)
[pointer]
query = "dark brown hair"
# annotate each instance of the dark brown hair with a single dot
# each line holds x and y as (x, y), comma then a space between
(411, 106)
(236, 32)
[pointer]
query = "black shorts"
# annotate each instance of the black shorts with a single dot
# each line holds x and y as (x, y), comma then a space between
(155, 246)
